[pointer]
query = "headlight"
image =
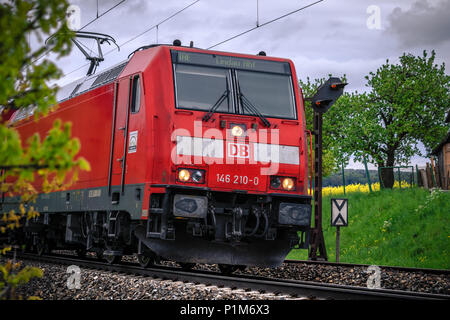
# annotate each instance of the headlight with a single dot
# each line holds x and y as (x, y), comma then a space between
(275, 182)
(197, 176)
(191, 175)
(288, 184)
(237, 131)
(283, 183)
(184, 175)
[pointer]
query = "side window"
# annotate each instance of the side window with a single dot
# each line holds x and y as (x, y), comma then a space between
(136, 95)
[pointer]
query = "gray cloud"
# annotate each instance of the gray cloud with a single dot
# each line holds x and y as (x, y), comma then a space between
(330, 37)
(422, 24)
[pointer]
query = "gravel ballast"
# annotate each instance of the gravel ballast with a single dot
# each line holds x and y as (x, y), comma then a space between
(104, 285)
(359, 276)
(390, 278)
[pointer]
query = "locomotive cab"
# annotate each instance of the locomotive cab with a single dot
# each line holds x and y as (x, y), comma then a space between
(236, 190)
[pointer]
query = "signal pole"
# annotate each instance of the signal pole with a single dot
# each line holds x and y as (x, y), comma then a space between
(317, 239)
(326, 96)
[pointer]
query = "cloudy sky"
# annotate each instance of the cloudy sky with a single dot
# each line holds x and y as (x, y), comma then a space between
(351, 37)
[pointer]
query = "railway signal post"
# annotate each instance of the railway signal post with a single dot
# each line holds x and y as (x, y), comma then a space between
(326, 96)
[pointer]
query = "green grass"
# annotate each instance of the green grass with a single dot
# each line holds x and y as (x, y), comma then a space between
(400, 227)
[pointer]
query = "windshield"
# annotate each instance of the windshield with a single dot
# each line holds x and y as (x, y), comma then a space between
(270, 93)
(201, 87)
(219, 84)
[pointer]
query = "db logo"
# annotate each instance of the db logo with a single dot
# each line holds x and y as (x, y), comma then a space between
(238, 150)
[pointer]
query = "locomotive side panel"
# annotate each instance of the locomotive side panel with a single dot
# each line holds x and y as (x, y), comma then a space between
(91, 117)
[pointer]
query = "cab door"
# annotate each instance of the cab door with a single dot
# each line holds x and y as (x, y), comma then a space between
(136, 160)
(128, 135)
(121, 105)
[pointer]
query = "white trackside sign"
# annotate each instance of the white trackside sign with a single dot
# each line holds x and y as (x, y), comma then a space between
(339, 212)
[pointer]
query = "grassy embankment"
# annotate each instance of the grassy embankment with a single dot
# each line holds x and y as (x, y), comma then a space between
(399, 227)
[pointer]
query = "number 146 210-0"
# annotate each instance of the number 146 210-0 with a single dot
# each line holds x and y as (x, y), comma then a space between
(237, 179)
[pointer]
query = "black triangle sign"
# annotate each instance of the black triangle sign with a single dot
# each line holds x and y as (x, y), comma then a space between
(335, 222)
(339, 216)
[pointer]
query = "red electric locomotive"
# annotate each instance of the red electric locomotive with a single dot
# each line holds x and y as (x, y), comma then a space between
(196, 156)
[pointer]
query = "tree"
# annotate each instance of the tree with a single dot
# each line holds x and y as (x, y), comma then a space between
(24, 85)
(406, 105)
(331, 157)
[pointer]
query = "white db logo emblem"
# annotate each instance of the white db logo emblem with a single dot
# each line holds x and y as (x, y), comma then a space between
(238, 150)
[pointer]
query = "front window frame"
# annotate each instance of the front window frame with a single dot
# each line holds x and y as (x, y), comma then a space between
(234, 101)
(230, 98)
(242, 111)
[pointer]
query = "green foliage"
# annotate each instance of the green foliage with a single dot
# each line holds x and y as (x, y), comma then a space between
(406, 105)
(331, 158)
(352, 176)
(24, 84)
(13, 276)
(399, 227)
(359, 176)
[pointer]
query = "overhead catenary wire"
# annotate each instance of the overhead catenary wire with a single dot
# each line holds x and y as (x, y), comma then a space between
(264, 24)
(138, 35)
(101, 15)
(156, 26)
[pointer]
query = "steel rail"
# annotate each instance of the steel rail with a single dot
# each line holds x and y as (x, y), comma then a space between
(393, 268)
(307, 289)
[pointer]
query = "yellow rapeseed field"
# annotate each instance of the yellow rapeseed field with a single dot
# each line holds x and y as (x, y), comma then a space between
(327, 191)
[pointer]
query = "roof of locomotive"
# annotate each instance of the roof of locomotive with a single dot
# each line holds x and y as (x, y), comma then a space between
(91, 82)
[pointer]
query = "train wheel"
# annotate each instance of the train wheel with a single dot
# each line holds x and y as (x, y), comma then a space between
(145, 261)
(41, 247)
(99, 254)
(81, 253)
(28, 246)
(241, 267)
(112, 259)
(227, 269)
(186, 266)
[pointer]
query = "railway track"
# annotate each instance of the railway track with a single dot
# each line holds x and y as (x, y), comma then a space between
(355, 265)
(295, 288)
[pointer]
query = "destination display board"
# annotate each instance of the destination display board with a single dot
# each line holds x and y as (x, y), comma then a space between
(221, 61)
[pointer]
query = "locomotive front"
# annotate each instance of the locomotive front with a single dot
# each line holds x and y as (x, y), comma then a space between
(236, 188)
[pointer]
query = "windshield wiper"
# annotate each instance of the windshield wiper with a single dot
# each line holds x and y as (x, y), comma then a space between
(247, 104)
(216, 105)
